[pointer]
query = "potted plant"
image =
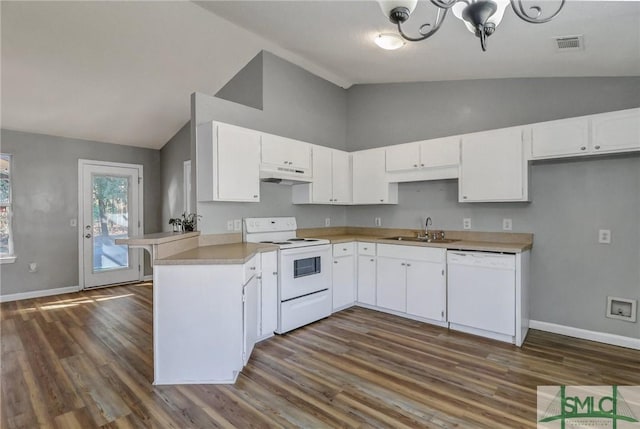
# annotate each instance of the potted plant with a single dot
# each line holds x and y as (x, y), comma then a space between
(186, 223)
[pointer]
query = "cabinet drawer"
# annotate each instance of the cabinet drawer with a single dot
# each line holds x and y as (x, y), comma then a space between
(343, 249)
(367, 249)
(416, 253)
(249, 269)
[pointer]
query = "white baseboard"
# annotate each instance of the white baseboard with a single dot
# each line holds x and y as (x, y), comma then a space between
(147, 278)
(38, 293)
(600, 337)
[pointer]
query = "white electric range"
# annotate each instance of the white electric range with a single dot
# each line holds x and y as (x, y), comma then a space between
(304, 270)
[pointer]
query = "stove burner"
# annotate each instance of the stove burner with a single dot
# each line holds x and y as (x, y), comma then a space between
(297, 239)
(311, 239)
(268, 242)
(281, 242)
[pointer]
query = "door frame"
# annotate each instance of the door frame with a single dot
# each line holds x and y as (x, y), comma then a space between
(140, 227)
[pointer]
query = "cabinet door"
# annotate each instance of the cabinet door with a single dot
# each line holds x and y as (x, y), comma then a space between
(250, 317)
(560, 138)
(402, 157)
(269, 294)
(322, 177)
(370, 185)
(437, 153)
(238, 164)
(426, 290)
(343, 282)
(367, 279)
(286, 152)
(616, 131)
(391, 287)
(493, 167)
(341, 175)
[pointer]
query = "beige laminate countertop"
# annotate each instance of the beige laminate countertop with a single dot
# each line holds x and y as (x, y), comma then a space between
(235, 253)
(484, 246)
(156, 238)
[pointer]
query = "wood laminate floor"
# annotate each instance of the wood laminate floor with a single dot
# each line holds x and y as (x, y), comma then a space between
(85, 360)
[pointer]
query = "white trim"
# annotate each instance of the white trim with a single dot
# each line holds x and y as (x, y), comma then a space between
(7, 259)
(147, 278)
(600, 337)
(38, 293)
(186, 186)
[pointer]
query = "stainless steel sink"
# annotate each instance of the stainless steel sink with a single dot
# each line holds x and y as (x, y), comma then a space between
(421, 239)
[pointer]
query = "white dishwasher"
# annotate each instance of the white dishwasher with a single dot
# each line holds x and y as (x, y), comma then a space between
(481, 291)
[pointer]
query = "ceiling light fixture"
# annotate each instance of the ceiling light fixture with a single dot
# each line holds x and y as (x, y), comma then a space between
(480, 16)
(389, 41)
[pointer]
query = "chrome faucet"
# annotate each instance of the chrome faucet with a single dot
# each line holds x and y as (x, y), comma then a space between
(426, 227)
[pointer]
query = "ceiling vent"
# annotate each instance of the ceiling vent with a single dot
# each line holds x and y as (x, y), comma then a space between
(569, 43)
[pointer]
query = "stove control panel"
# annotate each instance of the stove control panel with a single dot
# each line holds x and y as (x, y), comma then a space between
(269, 224)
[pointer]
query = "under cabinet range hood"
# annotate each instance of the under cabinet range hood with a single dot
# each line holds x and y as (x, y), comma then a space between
(284, 175)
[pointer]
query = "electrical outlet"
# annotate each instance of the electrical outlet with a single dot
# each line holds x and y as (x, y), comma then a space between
(378, 221)
(507, 224)
(327, 221)
(229, 225)
(604, 236)
(466, 223)
(237, 224)
(33, 267)
(73, 223)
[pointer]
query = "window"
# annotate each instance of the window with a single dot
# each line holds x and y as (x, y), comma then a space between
(6, 200)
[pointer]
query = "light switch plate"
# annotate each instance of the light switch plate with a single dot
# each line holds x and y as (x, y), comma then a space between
(237, 224)
(604, 236)
(229, 225)
(466, 223)
(378, 221)
(327, 221)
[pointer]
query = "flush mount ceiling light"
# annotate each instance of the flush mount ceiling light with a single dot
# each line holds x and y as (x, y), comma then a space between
(389, 41)
(480, 16)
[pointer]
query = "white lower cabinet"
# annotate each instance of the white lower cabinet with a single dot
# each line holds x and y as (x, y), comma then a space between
(250, 317)
(343, 276)
(427, 290)
(412, 280)
(268, 295)
(391, 285)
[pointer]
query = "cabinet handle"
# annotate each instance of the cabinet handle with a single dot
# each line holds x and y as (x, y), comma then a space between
(415, 165)
(597, 147)
(408, 265)
(365, 248)
(275, 273)
(403, 264)
(382, 201)
(335, 262)
(286, 162)
(255, 196)
(344, 249)
(464, 197)
(252, 268)
(583, 148)
(371, 260)
(421, 165)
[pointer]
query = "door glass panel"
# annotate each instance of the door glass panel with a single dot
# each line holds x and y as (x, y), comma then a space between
(110, 220)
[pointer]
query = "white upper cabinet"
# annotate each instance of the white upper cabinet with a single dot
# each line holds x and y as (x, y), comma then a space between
(493, 167)
(566, 137)
(228, 163)
(331, 179)
(436, 153)
(587, 135)
(370, 182)
(403, 157)
(285, 152)
(616, 131)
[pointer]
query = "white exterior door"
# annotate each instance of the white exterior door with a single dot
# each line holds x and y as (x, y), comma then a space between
(110, 205)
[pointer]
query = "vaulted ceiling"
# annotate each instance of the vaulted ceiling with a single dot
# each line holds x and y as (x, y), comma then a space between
(122, 72)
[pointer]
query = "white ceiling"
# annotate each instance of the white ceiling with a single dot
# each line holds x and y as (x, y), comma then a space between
(122, 72)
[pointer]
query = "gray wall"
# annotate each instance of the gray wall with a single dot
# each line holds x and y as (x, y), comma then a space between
(296, 104)
(380, 115)
(246, 86)
(172, 157)
(571, 274)
(45, 186)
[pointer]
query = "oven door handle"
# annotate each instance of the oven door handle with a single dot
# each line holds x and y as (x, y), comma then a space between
(305, 250)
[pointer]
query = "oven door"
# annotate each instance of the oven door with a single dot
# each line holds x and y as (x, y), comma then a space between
(304, 270)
